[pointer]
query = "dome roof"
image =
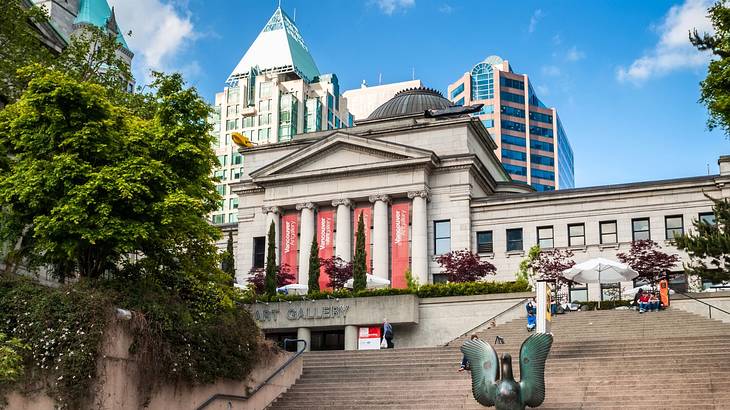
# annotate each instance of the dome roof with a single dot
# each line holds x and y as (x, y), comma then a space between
(411, 101)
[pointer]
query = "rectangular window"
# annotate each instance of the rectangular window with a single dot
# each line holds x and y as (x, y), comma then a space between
(265, 105)
(231, 125)
(221, 189)
(512, 125)
(515, 98)
(222, 160)
(460, 102)
(458, 90)
(610, 291)
(674, 226)
(511, 139)
(248, 122)
(607, 230)
(484, 242)
(233, 94)
(640, 229)
(707, 217)
(541, 131)
(233, 203)
(259, 251)
(232, 217)
(508, 82)
(236, 173)
(576, 235)
(219, 218)
(544, 146)
(236, 159)
(508, 153)
(488, 123)
(220, 174)
(514, 239)
(545, 237)
(542, 187)
(538, 116)
(442, 237)
(515, 112)
(542, 160)
(578, 293)
(265, 90)
(515, 169)
(539, 173)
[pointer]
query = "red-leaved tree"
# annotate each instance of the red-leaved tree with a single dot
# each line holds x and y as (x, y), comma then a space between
(464, 266)
(551, 263)
(646, 258)
(338, 271)
(284, 276)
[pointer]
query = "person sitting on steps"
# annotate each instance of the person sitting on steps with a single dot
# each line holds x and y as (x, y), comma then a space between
(465, 363)
(644, 302)
(654, 302)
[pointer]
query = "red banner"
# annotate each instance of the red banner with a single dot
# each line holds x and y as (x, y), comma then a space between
(399, 251)
(367, 214)
(289, 256)
(325, 237)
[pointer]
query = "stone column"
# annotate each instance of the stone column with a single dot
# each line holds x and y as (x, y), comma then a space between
(306, 233)
(273, 214)
(350, 337)
(419, 242)
(343, 236)
(305, 334)
(380, 235)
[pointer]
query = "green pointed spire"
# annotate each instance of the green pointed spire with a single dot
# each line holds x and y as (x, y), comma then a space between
(98, 13)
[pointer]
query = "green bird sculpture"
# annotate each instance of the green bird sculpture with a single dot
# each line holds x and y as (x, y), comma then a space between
(506, 393)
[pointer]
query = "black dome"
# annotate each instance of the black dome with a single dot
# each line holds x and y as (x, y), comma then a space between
(411, 101)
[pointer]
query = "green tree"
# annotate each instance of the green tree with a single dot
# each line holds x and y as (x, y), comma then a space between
(314, 266)
(526, 272)
(715, 89)
(19, 46)
(271, 267)
(87, 182)
(228, 263)
(11, 360)
(708, 245)
(359, 275)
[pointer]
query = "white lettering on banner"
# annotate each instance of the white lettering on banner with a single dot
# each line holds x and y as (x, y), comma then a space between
(288, 237)
(398, 227)
(325, 227)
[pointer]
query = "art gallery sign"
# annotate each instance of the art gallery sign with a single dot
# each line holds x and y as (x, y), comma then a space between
(398, 309)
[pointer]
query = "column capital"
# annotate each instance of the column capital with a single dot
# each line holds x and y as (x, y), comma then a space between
(271, 209)
(380, 197)
(306, 205)
(341, 201)
(425, 194)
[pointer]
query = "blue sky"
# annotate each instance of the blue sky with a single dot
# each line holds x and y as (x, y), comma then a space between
(621, 73)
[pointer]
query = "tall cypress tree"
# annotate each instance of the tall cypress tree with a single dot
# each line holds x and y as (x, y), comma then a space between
(271, 268)
(228, 263)
(359, 277)
(314, 265)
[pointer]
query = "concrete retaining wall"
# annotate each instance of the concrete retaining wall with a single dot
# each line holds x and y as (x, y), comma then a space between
(718, 299)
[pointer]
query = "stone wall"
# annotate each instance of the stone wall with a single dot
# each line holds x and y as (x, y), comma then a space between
(116, 388)
(717, 299)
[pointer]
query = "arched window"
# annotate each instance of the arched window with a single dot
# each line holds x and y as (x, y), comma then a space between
(482, 82)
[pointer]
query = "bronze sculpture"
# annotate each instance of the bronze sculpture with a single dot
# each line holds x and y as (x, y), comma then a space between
(507, 394)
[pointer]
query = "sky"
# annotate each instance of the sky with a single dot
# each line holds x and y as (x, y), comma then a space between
(621, 73)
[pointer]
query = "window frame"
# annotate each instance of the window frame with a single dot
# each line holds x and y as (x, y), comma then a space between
(634, 231)
(262, 253)
(667, 229)
(570, 237)
(703, 214)
(551, 238)
(521, 240)
(436, 238)
(490, 243)
(601, 233)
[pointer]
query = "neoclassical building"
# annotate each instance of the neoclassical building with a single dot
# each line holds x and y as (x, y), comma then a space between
(425, 178)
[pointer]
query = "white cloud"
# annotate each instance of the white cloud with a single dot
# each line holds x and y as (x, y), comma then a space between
(574, 54)
(542, 90)
(160, 31)
(673, 51)
(557, 40)
(551, 70)
(446, 9)
(536, 16)
(391, 6)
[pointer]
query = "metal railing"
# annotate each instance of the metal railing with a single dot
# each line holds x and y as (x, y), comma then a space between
(286, 364)
(520, 303)
(709, 306)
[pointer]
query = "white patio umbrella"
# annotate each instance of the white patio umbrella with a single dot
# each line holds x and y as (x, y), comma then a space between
(600, 270)
(371, 281)
(293, 289)
(632, 291)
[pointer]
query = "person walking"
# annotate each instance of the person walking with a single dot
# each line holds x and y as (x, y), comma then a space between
(386, 332)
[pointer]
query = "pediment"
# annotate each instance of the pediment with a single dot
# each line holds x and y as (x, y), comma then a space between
(341, 151)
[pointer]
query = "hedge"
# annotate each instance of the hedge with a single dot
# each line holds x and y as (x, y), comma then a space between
(605, 305)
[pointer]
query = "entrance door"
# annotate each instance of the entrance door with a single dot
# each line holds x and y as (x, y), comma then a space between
(328, 340)
(278, 338)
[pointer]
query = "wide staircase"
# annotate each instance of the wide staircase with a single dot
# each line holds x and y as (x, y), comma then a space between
(599, 360)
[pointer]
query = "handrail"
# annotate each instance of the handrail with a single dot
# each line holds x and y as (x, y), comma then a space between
(710, 307)
(262, 384)
(487, 321)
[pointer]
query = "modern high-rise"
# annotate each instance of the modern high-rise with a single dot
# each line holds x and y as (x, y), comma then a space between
(364, 100)
(275, 92)
(532, 143)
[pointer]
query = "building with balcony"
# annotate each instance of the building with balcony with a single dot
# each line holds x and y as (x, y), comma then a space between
(533, 145)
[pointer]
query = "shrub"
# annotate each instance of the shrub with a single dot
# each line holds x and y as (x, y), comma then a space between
(338, 271)
(464, 266)
(605, 305)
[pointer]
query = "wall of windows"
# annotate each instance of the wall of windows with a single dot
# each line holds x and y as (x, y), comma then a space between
(543, 146)
(538, 116)
(512, 125)
(515, 169)
(542, 174)
(514, 140)
(542, 187)
(541, 131)
(565, 159)
(460, 101)
(508, 82)
(508, 153)
(456, 91)
(482, 82)
(515, 98)
(488, 123)
(288, 107)
(313, 115)
(515, 112)
(542, 160)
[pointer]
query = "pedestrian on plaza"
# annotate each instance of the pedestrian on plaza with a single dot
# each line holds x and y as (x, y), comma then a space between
(531, 314)
(386, 332)
(465, 363)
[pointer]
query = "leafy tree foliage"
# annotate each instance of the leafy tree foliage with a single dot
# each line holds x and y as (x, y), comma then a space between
(228, 262)
(11, 360)
(338, 271)
(19, 46)
(550, 264)
(314, 266)
(526, 272)
(271, 268)
(716, 86)
(284, 276)
(464, 266)
(646, 258)
(359, 273)
(87, 182)
(709, 244)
